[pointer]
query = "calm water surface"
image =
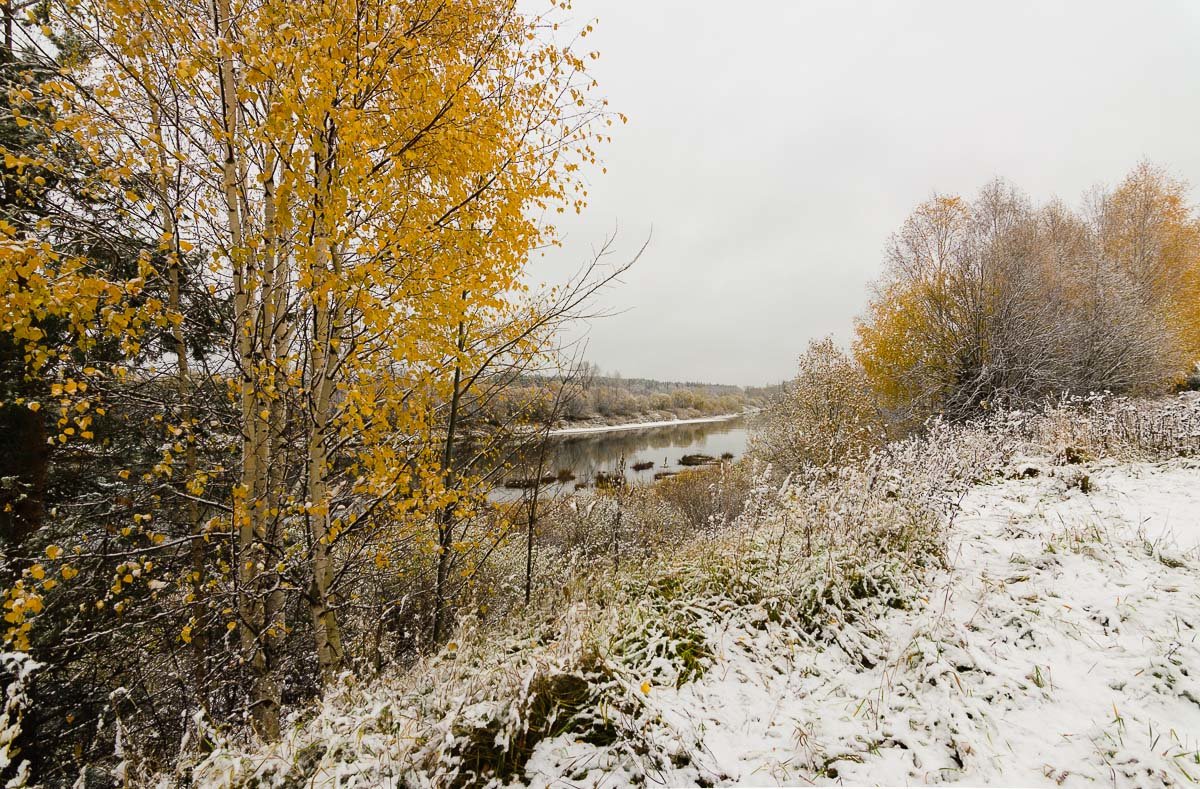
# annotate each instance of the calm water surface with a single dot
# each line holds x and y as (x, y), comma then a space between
(585, 455)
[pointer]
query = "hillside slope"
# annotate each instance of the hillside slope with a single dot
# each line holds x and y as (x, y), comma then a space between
(981, 604)
(1061, 648)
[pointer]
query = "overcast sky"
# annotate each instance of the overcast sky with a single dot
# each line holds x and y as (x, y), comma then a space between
(773, 146)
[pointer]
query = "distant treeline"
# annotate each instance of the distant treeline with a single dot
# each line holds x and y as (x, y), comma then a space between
(595, 397)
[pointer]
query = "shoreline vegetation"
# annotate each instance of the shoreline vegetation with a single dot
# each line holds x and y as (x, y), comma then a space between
(587, 399)
(667, 447)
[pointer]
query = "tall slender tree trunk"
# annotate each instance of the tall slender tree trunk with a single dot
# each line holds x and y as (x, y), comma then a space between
(259, 548)
(274, 340)
(24, 453)
(323, 362)
(183, 386)
(531, 524)
(322, 608)
(445, 519)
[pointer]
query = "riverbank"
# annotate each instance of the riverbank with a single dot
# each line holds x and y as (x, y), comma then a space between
(644, 452)
(1012, 604)
(610, 428)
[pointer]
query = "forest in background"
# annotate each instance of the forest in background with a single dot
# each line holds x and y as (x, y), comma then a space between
(593, 398)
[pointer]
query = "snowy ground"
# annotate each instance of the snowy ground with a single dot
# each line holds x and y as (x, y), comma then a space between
(1061, 648)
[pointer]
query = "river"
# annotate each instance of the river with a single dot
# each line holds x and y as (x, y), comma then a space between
(579, 458)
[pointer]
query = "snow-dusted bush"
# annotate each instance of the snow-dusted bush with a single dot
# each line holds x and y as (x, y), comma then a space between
(602, 531)
(827, 417)
(709, 497)
(1192, 382)
(1075, 429)
(18, 668)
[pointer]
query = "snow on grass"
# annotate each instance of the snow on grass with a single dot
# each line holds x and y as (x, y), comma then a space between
(1162, 499)
(983, 604)
(1060, 648)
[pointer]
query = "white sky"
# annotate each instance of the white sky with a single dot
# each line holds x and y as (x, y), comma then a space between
(773, 146)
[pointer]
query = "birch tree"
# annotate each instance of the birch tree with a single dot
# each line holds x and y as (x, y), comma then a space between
(355, 188)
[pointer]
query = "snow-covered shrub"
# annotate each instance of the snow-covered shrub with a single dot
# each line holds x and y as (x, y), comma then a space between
(18, 667)
(1075, 429)
(596, 531)
(1192, 382)
(827, 417)
(709, 497)
(588, 532)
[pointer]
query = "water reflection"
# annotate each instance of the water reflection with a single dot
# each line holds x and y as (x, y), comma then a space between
(588, 455)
